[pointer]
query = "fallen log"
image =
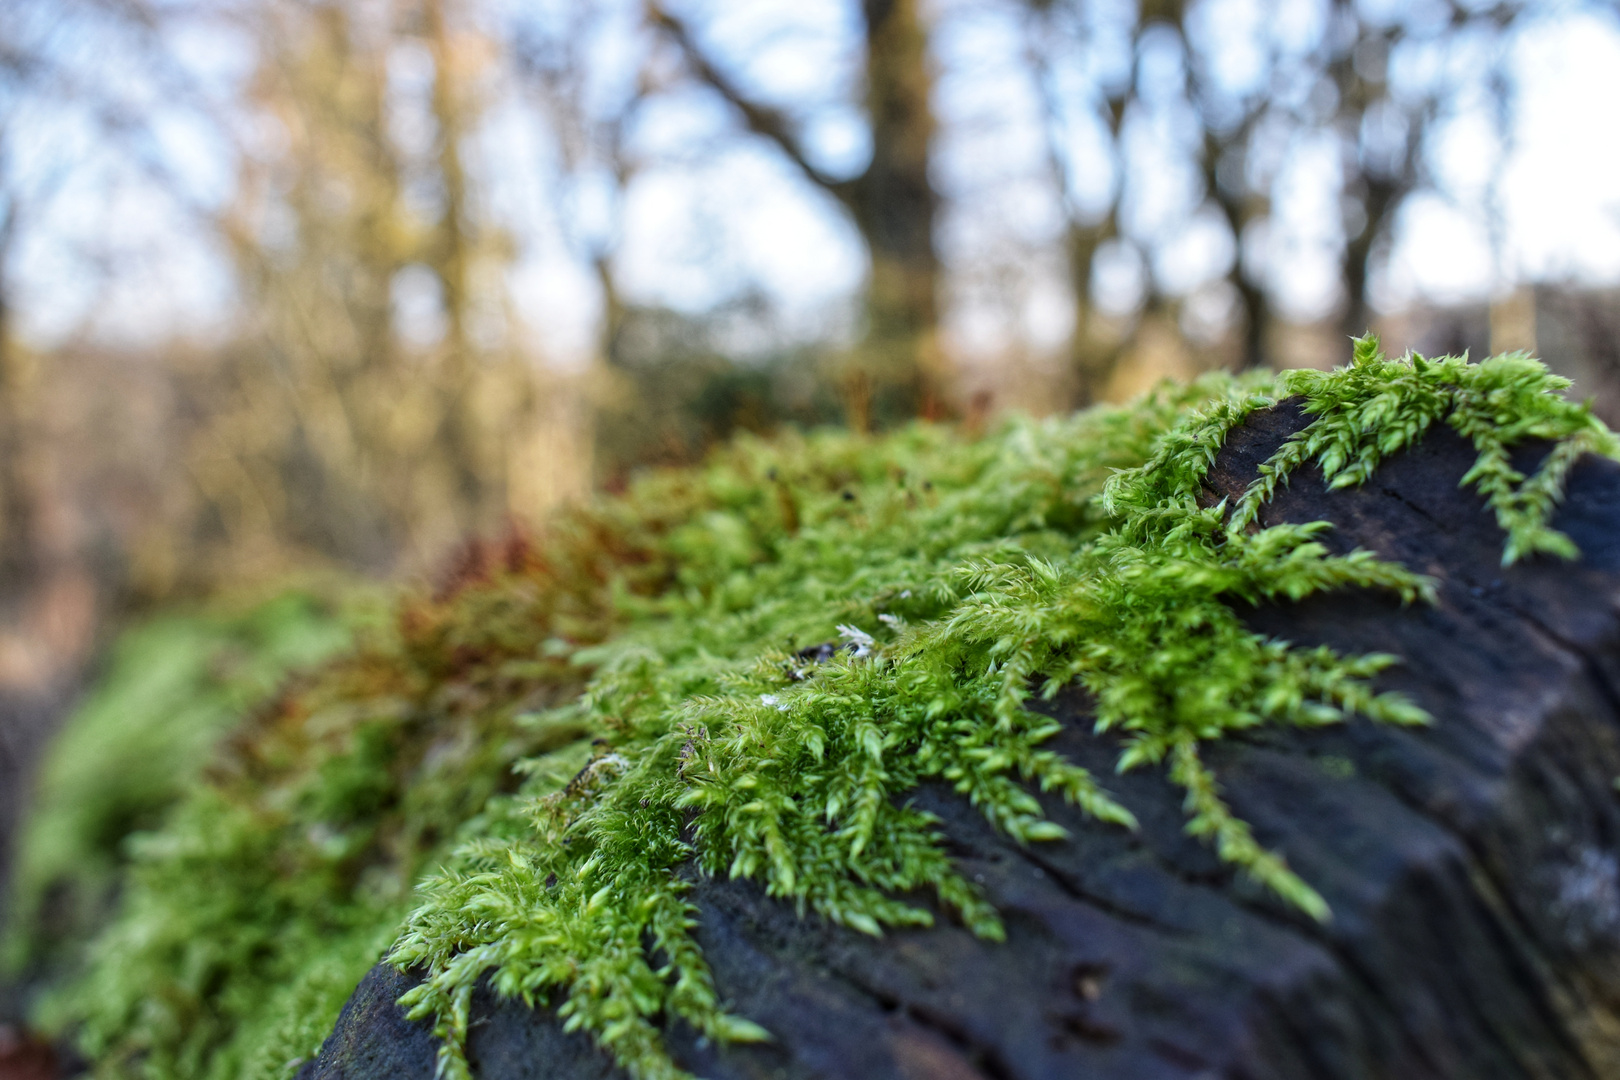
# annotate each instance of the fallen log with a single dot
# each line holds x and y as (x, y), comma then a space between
(1471, 866)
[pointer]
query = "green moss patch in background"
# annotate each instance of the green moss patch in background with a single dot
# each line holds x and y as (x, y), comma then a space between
(138, 743)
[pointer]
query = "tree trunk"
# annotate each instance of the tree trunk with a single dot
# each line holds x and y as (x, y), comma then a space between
(1381, 198)
(894, 206)
(897, 373)
(450, 255)
(1471, 866)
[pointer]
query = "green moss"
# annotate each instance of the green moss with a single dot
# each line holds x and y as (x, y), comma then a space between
(651, 667)
(138, 743)
(723, 750)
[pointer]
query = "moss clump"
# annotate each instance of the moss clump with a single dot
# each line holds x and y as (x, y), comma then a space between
(685, 630)
(254, 907)
(723, 750)
(137, 744)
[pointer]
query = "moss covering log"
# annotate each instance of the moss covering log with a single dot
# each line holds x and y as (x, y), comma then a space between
(1470, 863)
(930, 692)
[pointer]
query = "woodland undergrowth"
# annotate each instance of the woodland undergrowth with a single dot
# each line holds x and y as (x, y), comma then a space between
(740, 671)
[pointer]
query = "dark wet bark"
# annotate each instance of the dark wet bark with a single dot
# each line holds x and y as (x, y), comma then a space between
(1471, 866)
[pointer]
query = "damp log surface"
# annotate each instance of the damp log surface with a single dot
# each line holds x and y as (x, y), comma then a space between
(1471, 866)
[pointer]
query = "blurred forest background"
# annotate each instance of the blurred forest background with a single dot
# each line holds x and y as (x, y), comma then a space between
(292, 288)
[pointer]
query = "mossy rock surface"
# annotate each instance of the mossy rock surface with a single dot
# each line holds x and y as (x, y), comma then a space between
(1470, 864)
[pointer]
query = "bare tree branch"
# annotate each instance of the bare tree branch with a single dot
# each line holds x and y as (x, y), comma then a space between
(762, 120)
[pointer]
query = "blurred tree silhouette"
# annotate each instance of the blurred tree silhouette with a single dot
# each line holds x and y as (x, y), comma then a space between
(1330, 83)
(20, 70)
(671, 387)
(368, 394)
(898, 370)
(373, 408)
